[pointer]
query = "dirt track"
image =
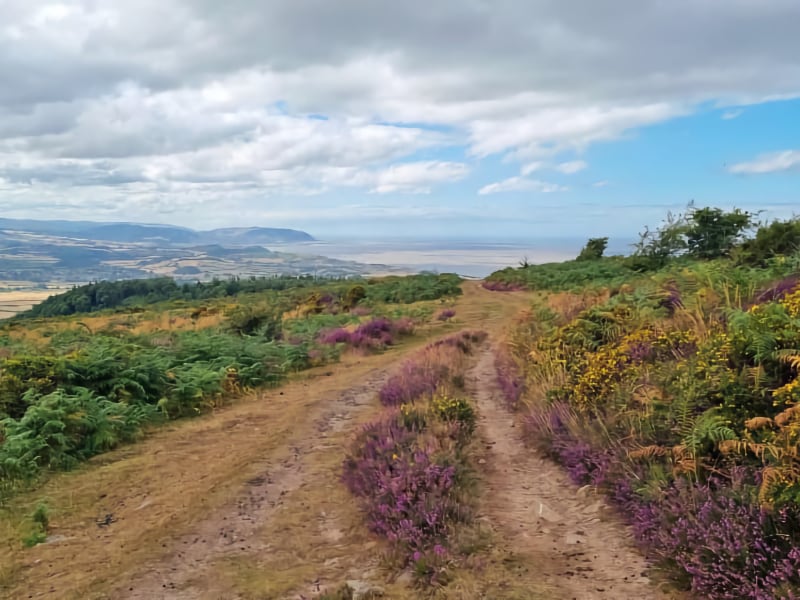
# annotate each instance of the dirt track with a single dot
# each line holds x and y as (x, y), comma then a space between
(576, 546)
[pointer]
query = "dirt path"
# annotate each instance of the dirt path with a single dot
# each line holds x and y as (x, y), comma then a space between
(567, 536)
(189, 569)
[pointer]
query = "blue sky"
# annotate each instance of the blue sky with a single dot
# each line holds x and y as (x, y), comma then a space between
(526, 120)
(621, 186)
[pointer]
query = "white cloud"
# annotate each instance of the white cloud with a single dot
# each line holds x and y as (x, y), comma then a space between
(729, 115)
(574, 166)
(769, 163)
(409, 178)
(149, 105)
(567, 168)
(602, 183)
(532, 167)
(548, 131)
(521, 184)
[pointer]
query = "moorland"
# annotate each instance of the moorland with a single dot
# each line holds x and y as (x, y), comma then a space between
(605, 427)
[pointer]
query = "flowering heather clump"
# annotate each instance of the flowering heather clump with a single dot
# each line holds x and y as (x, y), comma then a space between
(779, 290)
(502, 286)
(420, 376)
(375, 328)
(376, 333)
(729, 548)
(672, 300)
(403, 467)
(446, 314)
(338, 335)
(404, 326)
(412, 382)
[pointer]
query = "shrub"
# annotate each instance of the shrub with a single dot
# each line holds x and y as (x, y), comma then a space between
(775, 239)
(40, 525)
(376, 333)
(594, 249)
(60, 429)
(458, 410)
(728, 547)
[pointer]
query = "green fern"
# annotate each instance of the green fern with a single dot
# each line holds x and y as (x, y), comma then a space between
(710, 428)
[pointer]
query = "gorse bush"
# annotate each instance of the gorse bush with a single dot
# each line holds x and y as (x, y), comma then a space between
(678, 398)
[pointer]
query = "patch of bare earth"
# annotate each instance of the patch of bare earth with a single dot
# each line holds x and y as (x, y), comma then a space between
(566, 537)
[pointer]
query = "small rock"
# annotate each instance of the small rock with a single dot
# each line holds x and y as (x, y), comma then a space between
(482, 461)
(54, 539)
(544, 512)
(573, 538)
(145, 503)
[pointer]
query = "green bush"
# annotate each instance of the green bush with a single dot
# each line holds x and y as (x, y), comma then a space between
(60, 429)
(594, 249)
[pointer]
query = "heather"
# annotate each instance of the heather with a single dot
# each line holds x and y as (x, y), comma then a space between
(374, 334)
(509, 380)
(408, 468)
(673, 390)
(437, 364)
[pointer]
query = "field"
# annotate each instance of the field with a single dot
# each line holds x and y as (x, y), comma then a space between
(16, 301)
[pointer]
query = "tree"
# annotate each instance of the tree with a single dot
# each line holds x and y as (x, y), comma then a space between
(594, 249)
(655, 248)
(776, 239)
(712, 233)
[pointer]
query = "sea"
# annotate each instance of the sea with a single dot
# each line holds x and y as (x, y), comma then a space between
(467, 258)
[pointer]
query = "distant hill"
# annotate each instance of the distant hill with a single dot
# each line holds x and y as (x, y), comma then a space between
(63, 253)
(138, 233)
(244, 236)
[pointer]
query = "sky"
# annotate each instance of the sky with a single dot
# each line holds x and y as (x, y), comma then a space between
(459, 119)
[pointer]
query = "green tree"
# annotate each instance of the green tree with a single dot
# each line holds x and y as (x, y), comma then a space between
(779, 238)
(712, 233)
(594, 249)
(655, 248)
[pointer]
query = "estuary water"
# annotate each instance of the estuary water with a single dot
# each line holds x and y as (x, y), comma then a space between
(467, 258)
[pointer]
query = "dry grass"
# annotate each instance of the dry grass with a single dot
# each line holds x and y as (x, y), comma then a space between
(16, 301)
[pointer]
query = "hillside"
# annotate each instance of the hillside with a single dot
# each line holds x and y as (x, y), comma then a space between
(142, 233)
(38, 254)
(631, 433)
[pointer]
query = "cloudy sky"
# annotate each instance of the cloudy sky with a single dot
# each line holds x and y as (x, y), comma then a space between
(453, 118)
